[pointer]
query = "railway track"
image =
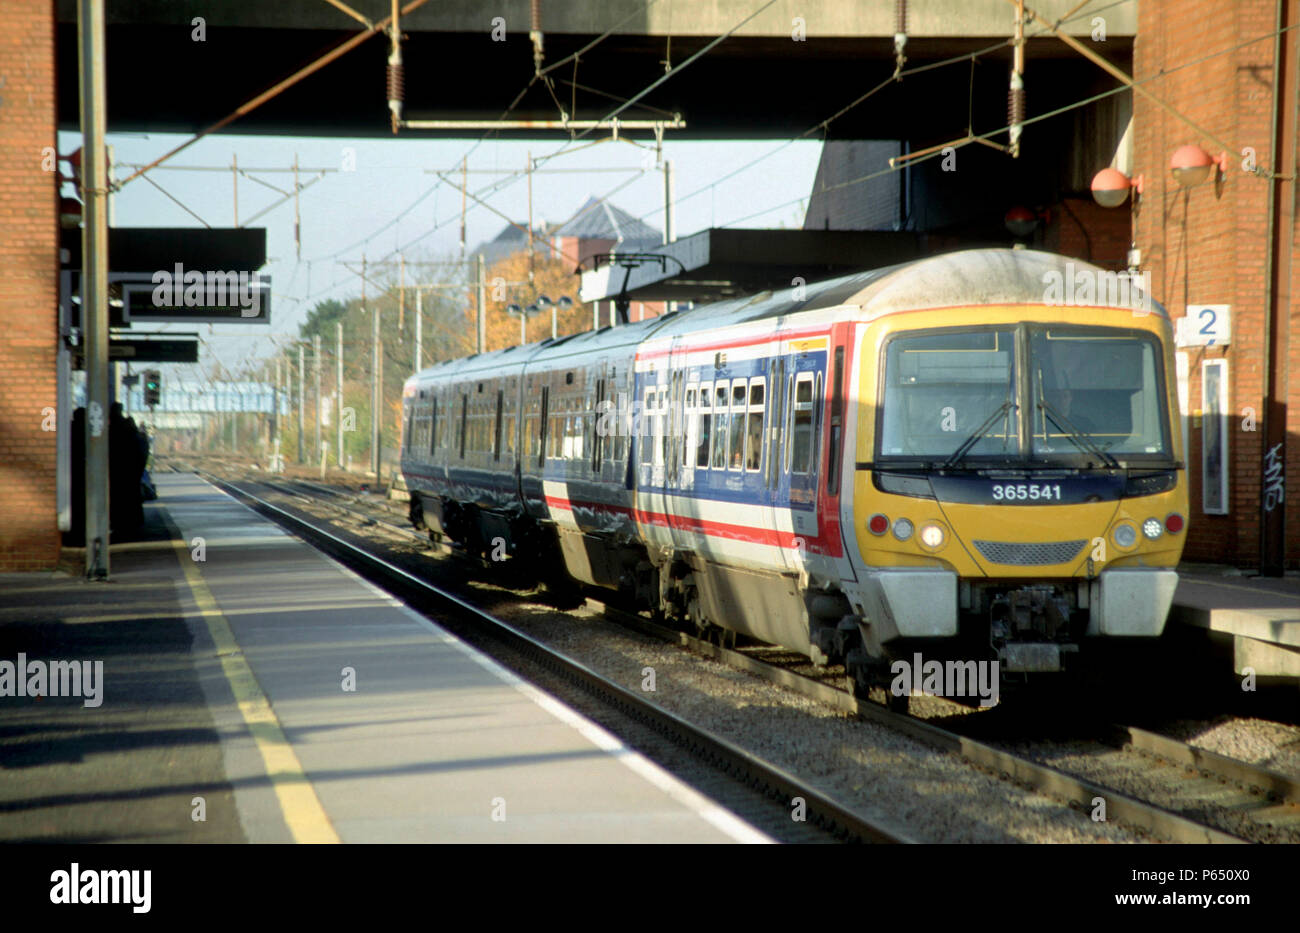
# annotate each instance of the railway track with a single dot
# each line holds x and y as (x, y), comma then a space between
(834, 818)
(1260, 797)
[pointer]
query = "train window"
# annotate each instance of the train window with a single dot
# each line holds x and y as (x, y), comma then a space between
(942, 387)
(720, 420)
(654, 453)
(597, 434)
(497, 426)
(406, 431)
(775, 421)
(702, 432)
(754, 429)
(801, 438)
(541, 426)
(736, 444)
(689, 424)
(836, 424)
(665, 429)
(433, 426)
(464, 415)
(647, 428)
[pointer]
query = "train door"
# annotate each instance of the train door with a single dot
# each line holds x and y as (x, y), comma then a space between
(650, 505)
(832, 441)
(803, 390)
(678, 478)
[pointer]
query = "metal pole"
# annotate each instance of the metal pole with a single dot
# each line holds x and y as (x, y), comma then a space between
(274, 408)
(94, 283)
(419, 335)
(302, 399)
(670, 227)
(554, 317)
(338, 346)
(669, 233)
(315, 349)
(482, 304)
(530, 224)
(279, 390)
(297, 218)
(374, 393)
(523, 328)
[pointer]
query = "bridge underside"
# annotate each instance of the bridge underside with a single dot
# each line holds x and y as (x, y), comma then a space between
(159, 80)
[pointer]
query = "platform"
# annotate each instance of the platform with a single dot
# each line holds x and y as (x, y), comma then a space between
(301, 703)
(1261, 615)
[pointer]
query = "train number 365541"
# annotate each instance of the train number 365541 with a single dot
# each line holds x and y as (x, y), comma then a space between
(1027, 492)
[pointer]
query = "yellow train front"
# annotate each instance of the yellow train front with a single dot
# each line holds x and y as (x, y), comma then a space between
(1018, 495)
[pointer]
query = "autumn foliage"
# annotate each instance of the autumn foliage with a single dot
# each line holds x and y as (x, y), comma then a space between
(508, 282)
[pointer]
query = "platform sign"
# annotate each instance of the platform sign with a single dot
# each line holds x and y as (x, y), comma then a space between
(193, 296)
(1204, 326)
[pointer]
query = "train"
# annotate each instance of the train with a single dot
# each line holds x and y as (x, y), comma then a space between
(937, 459)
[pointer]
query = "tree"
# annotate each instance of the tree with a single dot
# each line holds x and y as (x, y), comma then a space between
(508, 283)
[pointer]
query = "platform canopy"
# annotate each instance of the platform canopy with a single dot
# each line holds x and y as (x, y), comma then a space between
(723, 263)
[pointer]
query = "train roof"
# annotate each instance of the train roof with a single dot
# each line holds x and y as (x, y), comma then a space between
(998, 276)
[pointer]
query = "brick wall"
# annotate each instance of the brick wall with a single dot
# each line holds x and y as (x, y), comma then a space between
(1208, 245)
(29, 538)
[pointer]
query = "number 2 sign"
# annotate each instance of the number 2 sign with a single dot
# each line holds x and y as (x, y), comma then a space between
(1205, 326)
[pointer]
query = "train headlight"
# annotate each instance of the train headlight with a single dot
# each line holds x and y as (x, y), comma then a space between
(1125, 535)
(902, 529)
(1152, 528)
(878, 524)
(933, 536)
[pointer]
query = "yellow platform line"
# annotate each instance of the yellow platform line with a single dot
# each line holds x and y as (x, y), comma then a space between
(302, 809)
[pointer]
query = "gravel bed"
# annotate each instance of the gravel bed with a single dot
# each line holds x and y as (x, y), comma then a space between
(1263, 742)
(1201, 798)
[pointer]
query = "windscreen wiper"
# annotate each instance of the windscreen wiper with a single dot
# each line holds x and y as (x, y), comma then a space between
(975, 435)
(1077, 437)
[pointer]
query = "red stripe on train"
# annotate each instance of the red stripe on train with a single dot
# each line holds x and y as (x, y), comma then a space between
(743, 533)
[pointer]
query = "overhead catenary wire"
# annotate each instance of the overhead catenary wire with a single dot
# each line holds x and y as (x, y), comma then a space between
(823, 126)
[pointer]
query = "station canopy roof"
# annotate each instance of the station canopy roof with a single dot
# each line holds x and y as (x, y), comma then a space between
(722, 263)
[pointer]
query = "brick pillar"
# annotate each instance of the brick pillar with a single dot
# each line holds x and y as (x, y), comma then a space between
(29, 538)
(1207, 245)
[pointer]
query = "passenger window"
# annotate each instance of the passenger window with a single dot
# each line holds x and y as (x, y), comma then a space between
(754, 431)
(433, 427)
(801, 439)
(664, 455)
(702, 437)
(720, 419)
(736, 443)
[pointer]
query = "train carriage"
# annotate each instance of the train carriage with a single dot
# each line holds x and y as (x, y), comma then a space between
(934, 456)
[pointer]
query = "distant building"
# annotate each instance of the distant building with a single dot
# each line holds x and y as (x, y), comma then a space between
(511, 239)
(596, 227)
(600, 227)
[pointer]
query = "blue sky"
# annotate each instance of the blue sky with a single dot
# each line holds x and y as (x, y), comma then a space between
(348, 213)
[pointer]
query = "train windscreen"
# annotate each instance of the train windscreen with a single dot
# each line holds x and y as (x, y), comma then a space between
(1090, 392)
